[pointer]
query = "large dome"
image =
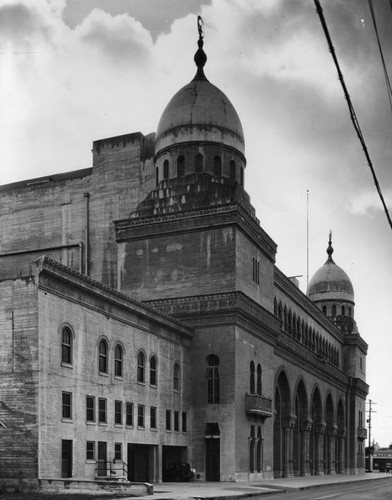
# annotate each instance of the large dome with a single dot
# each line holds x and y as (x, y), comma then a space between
(330, 282)
(200, 112)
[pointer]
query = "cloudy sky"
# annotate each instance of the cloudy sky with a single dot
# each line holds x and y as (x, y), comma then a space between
(74, 71)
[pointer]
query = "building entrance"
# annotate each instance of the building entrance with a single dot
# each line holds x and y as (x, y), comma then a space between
(66, 458)
(141, 463)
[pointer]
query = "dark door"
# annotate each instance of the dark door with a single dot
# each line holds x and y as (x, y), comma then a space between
(102, 459)
(213, 459)
(66, 458)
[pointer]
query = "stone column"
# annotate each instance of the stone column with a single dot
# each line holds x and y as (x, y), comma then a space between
(319, 434)
(288, 430)
(305, 448)
(342, 463)
(331, 467)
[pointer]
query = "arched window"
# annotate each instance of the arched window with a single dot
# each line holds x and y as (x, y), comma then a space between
(199, 163)
(324, 309)
(118, 361)
(180, 166)
(176, 377)
(166, 169)
(103, 356)
(343, 311)
(242, 176)
(156, 176)
(252, 378)
(66, 346)
(349, 312)
(140, 367)
(333, 311)
(217, 166)
(259, 386)
(232, 169)
(153, 371)
(213, 385)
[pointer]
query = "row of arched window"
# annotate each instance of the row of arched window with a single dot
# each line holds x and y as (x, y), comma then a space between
(335, 310)
(143, 369)
(302, 332)
(198, 168)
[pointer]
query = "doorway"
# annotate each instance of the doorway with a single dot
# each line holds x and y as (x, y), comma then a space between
(213, 459)
(102, 459)
(66, 458)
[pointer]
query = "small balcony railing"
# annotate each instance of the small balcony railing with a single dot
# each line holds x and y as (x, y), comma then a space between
(361, 433)
(258, 405)
(115, 470)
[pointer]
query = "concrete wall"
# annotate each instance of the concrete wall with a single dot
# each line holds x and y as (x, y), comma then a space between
(18, 382)
(82, 378)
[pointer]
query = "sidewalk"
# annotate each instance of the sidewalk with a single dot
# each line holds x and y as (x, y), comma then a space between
(226, 491)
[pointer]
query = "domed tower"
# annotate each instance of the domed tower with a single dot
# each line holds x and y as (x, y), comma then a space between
(199, 149)
(332, 291)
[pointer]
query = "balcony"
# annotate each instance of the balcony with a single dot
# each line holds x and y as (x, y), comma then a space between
(257, 405)
(361, 433)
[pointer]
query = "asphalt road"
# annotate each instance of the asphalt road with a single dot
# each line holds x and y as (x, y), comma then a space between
(364, 490)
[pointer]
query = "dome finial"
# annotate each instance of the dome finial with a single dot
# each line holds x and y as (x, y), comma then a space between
(200, 56)
(330, 248)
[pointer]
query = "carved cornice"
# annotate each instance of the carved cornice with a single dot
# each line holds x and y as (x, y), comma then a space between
(358, 388)
(354, 339)
(61, 280)
(195, 220)
(207, 308)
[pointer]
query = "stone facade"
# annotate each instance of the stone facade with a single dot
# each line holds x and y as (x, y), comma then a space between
(144, 323)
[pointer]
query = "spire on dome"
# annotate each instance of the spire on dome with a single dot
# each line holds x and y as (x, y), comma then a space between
(200, 56)
(330, 248)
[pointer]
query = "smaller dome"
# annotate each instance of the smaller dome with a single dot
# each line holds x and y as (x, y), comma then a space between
(330, 282)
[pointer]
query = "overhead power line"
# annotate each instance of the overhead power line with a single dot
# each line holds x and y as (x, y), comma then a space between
(386, 76)
(351, 108)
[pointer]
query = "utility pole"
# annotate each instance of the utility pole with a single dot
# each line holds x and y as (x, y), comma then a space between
(369, 422)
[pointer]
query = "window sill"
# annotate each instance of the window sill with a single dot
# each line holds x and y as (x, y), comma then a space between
(141, 428)
(91, 461)
(118, 425)
(103, 374)
(103, 424)
(119, 377)
(67, 365)
(90, 422)
(67, 420)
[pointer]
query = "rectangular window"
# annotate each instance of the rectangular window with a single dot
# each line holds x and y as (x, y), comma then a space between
(129, 414)
(67, 405)
(140, 416)
(90, 450)
(118, 451)
(102, 410)
(90, 408)
(168, 420)
(184, 422)
(176, 421)
(153, 417)
(118, 412)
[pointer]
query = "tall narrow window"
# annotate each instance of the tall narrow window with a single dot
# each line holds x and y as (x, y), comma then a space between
(156, 176)
(168, 420)
(176, 377)
(252, 449)
(259, 453)
(176, 421)
(184, 422)
(180, 166)
(153, 371)
(242, 176)
(90, 408)
(252, 377)
(118, 412)
(343, 311)
(129, 414)
(333, 311)
(66, 346)
(140, 416)
(153, 417)
(103, 356)
(232, 169)
(199, 163)
(166, 169)
(217, 166)
(140, 367)
(102, 410)
(118, 361)
(213, 382)
(259, 387)
(67, 405)
(118, 451)
(90, 450)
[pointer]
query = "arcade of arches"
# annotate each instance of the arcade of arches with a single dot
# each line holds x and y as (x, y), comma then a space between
(309, 435)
